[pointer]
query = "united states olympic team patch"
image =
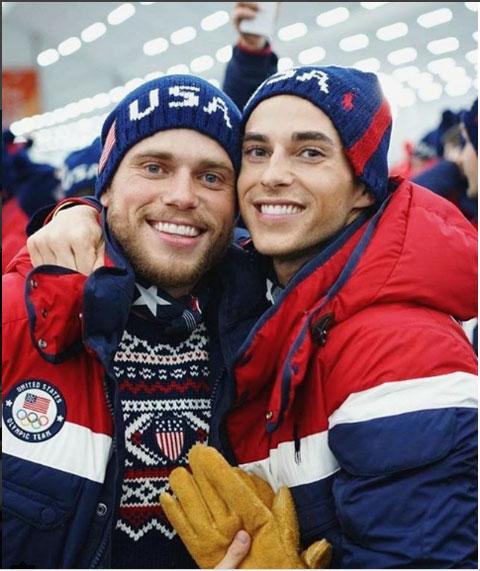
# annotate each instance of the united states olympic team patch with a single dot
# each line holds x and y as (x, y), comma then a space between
(34, 410)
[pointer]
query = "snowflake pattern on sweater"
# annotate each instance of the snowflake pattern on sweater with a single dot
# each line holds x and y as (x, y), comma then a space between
(166, 407)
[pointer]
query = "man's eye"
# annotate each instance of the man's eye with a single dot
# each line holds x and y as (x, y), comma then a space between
(153, 169)
(254, 152)
(311, 153)
(211, 178)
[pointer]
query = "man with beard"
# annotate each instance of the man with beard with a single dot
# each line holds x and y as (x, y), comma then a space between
(92, 432)
(355, 388)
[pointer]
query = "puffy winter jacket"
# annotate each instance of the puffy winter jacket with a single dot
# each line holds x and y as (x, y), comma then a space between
(358, 389)
(61, 468)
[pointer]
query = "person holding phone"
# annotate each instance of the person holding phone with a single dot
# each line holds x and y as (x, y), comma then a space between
(253, 59)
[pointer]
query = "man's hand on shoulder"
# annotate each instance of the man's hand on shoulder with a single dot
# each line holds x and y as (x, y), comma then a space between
(72, 239)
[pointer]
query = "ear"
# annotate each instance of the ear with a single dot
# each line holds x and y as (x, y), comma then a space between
(363, 198)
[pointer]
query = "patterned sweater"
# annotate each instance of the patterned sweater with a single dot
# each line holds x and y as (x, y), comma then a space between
(162, 377)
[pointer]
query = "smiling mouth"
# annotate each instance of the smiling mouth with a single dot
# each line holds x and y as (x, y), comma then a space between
(279, 209)
(184, 230)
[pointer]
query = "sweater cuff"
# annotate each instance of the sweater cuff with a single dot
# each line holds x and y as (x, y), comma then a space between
(267, 50)
(69, 202)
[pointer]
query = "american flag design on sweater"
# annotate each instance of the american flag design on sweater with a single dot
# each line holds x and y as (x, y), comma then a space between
(165, 397)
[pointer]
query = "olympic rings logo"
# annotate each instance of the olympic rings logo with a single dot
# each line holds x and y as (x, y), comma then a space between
(32, 419)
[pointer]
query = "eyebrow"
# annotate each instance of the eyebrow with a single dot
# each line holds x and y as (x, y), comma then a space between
(296, 137)
(152, 155)
(312, 136)
(255, 137)
(209, 164)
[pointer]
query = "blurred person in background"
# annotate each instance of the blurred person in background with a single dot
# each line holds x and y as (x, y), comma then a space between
(26, 187)
(9, 148)
(451, 140)
(469, 155)
(80, 171)
(446, 176)
(417, 157)
(424, 154)
(348, 385)
(469, 164)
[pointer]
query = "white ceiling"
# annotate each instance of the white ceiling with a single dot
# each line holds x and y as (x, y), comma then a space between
(117, 57)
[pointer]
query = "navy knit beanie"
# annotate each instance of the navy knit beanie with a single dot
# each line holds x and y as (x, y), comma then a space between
(80, 169)
(427, 146)
(470, 120)
(169, 102)
(354, 102)
(449, 120)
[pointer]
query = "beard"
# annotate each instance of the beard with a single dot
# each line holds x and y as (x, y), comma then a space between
(166, 270)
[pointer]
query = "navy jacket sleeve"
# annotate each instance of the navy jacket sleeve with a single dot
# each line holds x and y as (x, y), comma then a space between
(444, 178)
(406, 492)
(246, 71)
(42, 215)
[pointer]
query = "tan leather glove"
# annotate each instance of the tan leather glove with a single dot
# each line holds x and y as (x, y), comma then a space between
(218, 500)
(316, 556)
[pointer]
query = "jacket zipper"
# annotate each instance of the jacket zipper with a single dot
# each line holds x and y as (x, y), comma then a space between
(100, 550)
(226, 449)
(106, 536)
(215, 388)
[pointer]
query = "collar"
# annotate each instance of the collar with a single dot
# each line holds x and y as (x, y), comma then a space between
(274, 289)
(174, 317)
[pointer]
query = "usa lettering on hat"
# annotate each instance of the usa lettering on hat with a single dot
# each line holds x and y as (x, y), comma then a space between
(169, 102)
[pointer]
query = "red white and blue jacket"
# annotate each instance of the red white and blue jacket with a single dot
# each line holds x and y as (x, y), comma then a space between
(62, 464)
(57, 426)
(357, 389)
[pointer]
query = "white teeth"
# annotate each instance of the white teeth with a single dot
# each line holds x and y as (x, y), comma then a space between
(279, 209)
(180, 229)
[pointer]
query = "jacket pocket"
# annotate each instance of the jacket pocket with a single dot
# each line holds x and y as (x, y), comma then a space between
(399, 484)
(393, 444)
(34, 528)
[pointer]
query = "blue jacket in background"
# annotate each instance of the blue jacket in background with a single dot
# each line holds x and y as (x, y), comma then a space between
(445, 179)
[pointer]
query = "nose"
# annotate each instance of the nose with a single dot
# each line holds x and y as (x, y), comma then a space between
(182, 192)
(277, 171)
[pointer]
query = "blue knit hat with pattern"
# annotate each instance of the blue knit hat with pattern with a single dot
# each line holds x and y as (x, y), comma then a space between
(354, 102)
(80, 169)
(470, 120)
(169, 102)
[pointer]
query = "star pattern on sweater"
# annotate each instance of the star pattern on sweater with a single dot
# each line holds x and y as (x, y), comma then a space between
(150, 298)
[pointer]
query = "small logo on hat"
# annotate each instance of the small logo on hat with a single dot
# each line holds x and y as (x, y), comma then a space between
(347, 101)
